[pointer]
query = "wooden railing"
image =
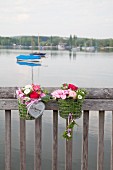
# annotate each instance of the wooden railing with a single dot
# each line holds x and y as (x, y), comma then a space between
(100, 100)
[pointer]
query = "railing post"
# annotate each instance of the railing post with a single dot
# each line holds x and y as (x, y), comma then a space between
(7, 139)
(85, 140)
(38, 143)
(68, 152)
(55, 140)
(100, 156)
(112, 144)
(22, 144)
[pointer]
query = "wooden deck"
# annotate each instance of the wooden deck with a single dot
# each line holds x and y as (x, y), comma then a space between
(98, 99)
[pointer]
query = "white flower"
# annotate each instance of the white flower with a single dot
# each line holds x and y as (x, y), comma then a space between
(69, 135)
(27, 99)
(28, 87)
(27, 91)
(79, 96)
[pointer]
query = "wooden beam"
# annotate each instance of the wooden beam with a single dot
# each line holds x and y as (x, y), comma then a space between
(85, 141)
(100, 152)
(89, 104)
(55, 141)
(22, 144)
(38, 143)
(93, 93)
(7, 139)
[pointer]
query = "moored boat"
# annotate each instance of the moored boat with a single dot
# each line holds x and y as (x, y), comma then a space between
(41, 54)
(38, 53)
(29, 58)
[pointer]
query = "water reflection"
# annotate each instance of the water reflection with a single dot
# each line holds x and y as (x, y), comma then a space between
(29, 64)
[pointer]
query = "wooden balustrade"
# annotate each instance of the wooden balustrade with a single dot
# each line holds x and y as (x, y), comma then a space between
(100, 100)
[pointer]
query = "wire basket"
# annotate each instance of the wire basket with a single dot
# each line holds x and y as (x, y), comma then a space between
(23, 112)
(70, 106)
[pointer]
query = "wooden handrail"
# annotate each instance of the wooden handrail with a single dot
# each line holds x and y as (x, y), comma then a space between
(97, 99)
(89, 104)
(93, 93)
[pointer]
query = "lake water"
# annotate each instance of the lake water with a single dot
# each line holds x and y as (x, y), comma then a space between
(82, 69)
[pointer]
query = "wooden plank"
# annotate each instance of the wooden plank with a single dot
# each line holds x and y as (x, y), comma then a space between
(98, 104)
(68, 160)
(22, 144)
(93, 93)
(7, 139)
(8, 92)
(84, 165)
(112, 144)
(89, 104)
(38, 143)
(100, 152)
(55, 140)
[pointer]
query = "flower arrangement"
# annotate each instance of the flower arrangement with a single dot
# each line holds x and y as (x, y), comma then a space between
(26, 96)
(70, 99)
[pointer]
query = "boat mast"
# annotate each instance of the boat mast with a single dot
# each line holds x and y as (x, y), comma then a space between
(32, 44)
(38, 44)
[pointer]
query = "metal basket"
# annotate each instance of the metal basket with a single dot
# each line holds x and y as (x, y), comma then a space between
(70, 106)
(23, 112)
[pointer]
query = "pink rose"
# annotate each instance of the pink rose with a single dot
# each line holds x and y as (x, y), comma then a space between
(72, 94)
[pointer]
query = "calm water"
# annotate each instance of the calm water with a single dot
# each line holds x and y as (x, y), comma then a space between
(82, 69)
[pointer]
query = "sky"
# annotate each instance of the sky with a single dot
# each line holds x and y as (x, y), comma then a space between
(83, 18)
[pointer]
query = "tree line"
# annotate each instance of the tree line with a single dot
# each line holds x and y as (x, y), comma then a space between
(71, 41)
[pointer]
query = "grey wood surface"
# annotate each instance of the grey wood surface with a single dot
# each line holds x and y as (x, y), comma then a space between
(38, 143)
(84, 162)
(8, 140)
(68, 154)
(89, 104)
(100, 151)
(112, 145)
(22, 144)
(55, 141)
(93, 93)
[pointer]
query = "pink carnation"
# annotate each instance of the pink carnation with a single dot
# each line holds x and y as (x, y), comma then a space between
(36, 87)
(18, 91)
(42, 95)
(60, 94)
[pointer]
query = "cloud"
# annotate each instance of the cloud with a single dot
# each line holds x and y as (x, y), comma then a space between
(61, 17)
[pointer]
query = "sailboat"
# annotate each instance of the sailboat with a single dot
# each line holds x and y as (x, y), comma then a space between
(38, 53)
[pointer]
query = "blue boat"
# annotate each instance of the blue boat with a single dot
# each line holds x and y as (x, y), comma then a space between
(28, 58)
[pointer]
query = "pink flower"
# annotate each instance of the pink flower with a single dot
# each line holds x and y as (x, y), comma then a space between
(36, 87)
(42, 95)
(18, 92)
(60, 94)
(72, 94)
(21, 95)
